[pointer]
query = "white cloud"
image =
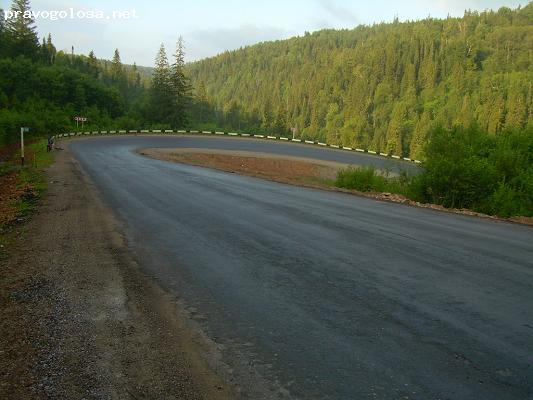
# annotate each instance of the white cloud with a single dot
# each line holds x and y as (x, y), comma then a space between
(338, 13)
(456, 7)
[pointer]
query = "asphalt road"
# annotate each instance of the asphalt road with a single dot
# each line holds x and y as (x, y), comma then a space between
(328, 295)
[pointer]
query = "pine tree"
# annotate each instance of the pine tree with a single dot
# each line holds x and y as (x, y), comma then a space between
(51, 49)
(92, 63)
(201, 92)
(117, 70)
(48, 50)
(201, 109)
(420, 136)
(135, 76)
(20, 31)
(180, 85)
(281, 125)
(162, 97)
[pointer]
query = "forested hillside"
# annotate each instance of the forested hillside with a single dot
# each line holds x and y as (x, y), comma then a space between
(382, 87)
(44, 89)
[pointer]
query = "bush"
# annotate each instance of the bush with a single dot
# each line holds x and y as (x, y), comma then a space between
(464, 168)
(363, 179)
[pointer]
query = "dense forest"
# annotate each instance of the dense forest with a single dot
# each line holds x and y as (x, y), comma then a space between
(45, 89)
(383, 87)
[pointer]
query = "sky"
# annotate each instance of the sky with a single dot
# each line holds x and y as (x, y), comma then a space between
(210, 27)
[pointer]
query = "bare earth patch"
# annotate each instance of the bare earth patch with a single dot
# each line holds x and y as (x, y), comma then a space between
(80, 320)
(299, 171)
(284, 169)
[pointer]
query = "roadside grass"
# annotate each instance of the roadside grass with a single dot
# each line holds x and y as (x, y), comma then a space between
(368, 179)
(23, 198)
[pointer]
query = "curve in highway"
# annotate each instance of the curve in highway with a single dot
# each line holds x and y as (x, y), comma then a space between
(328, 295)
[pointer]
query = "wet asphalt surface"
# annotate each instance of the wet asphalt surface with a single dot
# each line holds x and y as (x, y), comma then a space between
(328, 295)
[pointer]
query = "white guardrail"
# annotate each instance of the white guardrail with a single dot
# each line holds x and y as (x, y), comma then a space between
(248, 135)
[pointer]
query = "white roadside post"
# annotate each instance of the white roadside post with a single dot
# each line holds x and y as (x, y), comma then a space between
(22, 131)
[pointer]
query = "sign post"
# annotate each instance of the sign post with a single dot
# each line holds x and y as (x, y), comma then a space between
(80, 119)
(22, 131)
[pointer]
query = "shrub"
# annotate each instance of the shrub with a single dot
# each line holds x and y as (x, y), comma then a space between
(364, 179)
(464, 168)
(467, 168)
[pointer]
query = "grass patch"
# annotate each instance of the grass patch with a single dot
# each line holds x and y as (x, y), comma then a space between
(364, 179)
(368, 179)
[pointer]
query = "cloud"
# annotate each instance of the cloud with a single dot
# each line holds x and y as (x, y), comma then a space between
(338, 13)
(458, 6)
(206, 43)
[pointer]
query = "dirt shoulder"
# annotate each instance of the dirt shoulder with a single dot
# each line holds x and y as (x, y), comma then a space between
(78, 317)
(286, 169)
(298, 171)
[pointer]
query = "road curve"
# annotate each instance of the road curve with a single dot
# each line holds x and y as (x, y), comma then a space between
(328, 295)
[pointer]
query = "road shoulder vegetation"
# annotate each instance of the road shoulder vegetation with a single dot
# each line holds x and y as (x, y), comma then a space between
(79, 319)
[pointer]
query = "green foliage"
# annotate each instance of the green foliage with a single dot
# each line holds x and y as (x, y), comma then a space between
(169, 98)
(363, 179)
(20, 33)
(465, 168)
(47, 97)
(382, 87)
(180, 86)
(44, 89)
(368, 179)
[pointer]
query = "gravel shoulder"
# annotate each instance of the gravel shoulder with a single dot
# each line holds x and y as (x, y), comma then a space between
(79, 319)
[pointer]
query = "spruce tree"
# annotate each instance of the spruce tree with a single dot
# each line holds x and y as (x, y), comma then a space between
(135, 76)
(92, 63)
(20, 31)
(162, 98)
(51, 48)
(48, 50)
(281, 125)
(117, 70)
(180, 85)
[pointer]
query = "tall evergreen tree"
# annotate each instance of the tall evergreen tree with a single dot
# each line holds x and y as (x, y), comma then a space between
(162, 96)
(117, 70)
(135, 77)
(51, 48)
(20, 31)
(92, 63)
(180, 85)
(48, 50)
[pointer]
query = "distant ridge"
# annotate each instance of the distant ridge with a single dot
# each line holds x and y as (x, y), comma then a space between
(382, 86)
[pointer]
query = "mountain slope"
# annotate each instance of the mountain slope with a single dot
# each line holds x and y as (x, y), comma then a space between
(381, 87)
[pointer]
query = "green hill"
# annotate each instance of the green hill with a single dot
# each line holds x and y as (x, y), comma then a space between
(382, 87)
